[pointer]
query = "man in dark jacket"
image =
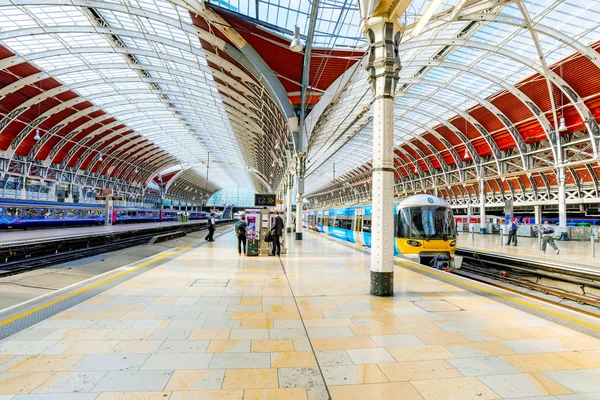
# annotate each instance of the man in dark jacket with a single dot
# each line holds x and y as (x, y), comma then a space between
(211, 228)
(276, 232)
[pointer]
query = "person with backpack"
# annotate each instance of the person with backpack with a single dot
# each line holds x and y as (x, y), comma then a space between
(241, 228)
(547, 232)
(512, 232)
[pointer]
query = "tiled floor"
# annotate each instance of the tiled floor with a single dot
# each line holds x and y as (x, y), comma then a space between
(573, 252)
(177, 332)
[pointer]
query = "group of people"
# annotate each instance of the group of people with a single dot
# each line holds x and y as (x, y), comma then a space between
(241, 230)
(547, 235)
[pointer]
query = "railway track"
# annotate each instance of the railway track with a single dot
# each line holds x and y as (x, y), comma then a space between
(25, 257)
(571, 287)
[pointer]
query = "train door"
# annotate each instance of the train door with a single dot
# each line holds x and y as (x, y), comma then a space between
(326, 222)
(358, 226)
(396, 250)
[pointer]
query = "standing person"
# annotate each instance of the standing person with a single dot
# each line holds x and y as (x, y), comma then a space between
(211, 228)
(547, 232)
(512, 232)
(276, 232)
(241, 228)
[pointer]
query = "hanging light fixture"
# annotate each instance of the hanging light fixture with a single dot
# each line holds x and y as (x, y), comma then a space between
(100, 157)
(295, 45)
(563, 125)
(466, 155)
(37, 134)
(136, 170)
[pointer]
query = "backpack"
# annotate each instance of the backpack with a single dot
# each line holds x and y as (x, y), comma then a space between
(513, 226)
(240, 229)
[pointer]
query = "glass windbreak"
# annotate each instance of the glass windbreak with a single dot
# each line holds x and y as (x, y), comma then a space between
(432, 222)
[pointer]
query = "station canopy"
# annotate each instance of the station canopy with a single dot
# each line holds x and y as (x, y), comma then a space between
(128, 89)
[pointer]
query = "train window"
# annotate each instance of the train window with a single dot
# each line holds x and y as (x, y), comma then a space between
(70, 213)
(46, 212)
(330, 221)
(425, 223)
(59, 212)
(31, 212)
(13, 212)
(367, 225)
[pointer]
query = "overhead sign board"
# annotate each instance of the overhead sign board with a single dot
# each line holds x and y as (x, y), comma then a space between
(264, 200)
(279, 201)
(106, 191)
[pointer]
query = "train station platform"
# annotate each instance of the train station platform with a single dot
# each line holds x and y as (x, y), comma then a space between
(202, 322)
(33, 235)
(572, 253)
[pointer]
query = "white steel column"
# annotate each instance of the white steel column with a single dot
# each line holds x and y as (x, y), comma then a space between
(288, 203)
(383, 34)
(482, 224)
(562, 204)
(300, 170)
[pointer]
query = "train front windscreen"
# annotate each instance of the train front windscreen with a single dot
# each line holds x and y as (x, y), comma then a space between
(426, 223)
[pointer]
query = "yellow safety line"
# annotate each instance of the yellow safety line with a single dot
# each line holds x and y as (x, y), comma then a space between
(154, 259)
(483, 289)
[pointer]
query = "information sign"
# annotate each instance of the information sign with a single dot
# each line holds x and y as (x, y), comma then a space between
(264, 200)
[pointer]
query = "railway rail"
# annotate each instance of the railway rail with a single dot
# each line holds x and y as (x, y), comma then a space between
(25, 256)
(569, 286)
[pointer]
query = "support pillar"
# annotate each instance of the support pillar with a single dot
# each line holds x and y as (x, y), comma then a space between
(383, 33)
(482, 223)
(562, 205)
(288, 203)
(538, 214)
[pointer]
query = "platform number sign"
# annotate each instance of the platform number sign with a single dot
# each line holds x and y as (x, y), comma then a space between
(264, 200)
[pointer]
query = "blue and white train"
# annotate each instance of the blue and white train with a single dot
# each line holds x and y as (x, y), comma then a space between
(424, 228)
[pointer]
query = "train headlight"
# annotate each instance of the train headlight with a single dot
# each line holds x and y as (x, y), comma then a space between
(414, 243)
(453, 243)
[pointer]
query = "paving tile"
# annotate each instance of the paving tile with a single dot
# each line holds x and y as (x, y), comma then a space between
(420, 353)
(32, 334)
(417, 370)
(287, 333)
(533, 346)
(523, 385)
(374, 330)
(257, 324)
(190, 379)
(580, 381)
(69, 382)
(203, 334)
(249, 334)
(18, 347)
(336, 332)
(299, 377)
(25, 382)
(540, 362)
(137, 346)
(334, 357)
(357, 342)
(250, 379)
(479, 349)
(317, 393)
(468, 388)
(284, 324)
(46, 362)
(370, 356)
(442, 338)
(153, 324)
(54, 396)
(290, 359)
(221, 324)
(229, 346)
(183, 347)
(276, 394)
(240, 360)
(170, 334)
(338, 314)
(133, 381)
(208, 395)
(272, 345)
(82, 347)
(129, 334)
(397, 340)
(375, 391)
(177, 361)
(186, 324)
(584, 359)
(111, 362)
(353, 374)
(482, 366)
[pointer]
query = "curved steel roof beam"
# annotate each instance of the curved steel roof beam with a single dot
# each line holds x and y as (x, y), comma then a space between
(117, 147)
(578, 103)
(510, 127)
(535, 111)
(483, 132)
(417, 169)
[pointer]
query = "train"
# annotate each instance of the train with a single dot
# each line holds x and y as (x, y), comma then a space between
(23, 214)
(424, 227)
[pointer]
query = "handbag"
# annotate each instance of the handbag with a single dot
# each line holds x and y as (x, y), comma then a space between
(268, 237)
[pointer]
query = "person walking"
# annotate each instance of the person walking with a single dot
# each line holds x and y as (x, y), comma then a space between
(276, 232)
(211, 228)
(547, 232)
(241, 228)
(512, 232)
